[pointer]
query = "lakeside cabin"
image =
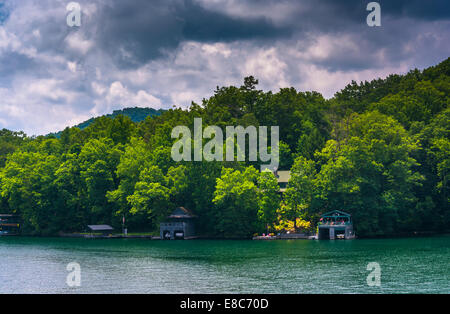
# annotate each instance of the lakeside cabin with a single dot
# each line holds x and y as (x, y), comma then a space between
(335, 225)
(9, 224)
(178, 226)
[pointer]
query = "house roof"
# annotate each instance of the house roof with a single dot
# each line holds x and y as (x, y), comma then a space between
(335, 213)
(100, 227)
(181, 212)
(283, 176)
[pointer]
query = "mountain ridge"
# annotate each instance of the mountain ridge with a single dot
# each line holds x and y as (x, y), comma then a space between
(136, 114)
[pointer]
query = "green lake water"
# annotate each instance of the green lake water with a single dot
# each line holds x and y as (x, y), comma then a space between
(38, 265)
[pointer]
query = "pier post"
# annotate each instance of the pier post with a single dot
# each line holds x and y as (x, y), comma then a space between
(332, 236)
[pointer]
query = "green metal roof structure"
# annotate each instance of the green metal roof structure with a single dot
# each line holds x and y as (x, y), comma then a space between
(335, 213)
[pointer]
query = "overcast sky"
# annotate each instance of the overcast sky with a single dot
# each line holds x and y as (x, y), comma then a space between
(160, 53)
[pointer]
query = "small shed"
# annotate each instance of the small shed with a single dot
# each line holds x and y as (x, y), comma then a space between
(179, 225)
(335, 225)
(103, 229)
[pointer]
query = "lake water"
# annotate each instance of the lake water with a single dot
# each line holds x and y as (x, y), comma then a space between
(38, 265)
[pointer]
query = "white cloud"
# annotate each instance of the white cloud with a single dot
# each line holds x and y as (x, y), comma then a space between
(184, 98)
(98, 88)
(118, 95)
(8, 41)
(72, 66)
(23, 109)
(77, 42)
(328, 83)
(267, 66)
(218, 48)
(52, 76)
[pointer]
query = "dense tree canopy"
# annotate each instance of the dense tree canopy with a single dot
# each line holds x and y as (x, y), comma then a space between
(379, 150)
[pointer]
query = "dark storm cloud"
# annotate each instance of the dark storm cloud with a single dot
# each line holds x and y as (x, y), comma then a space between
(163, 52)
(405, 23)
(12, 64)
(3, 13)
(417, 9)
(352, 11)
(136, 32)
(203, 25)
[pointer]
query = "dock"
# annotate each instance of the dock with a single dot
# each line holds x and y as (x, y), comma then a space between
(286, 236)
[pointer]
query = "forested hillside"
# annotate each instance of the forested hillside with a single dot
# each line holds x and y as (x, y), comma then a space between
(136, 114)
(379, 150)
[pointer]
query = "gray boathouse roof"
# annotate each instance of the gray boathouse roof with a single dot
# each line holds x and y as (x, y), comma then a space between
(100, 227)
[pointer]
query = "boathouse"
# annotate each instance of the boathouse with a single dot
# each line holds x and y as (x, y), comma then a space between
(9, 224)
(335, 225)
(103, 229)
(179, 225)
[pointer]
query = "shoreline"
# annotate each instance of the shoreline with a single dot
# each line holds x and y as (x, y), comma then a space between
(259, 238)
